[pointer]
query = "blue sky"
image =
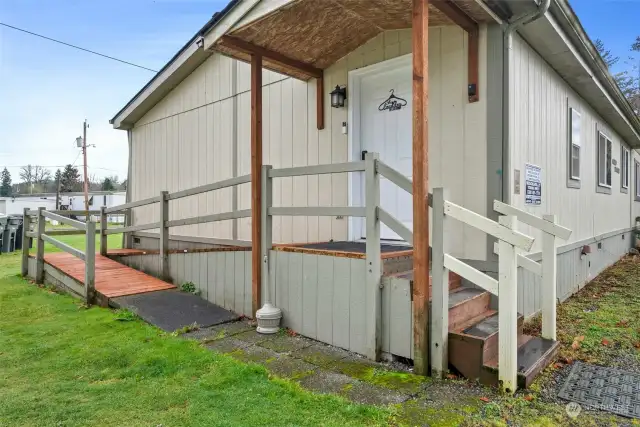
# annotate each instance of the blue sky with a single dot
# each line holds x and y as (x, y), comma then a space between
(47, 90)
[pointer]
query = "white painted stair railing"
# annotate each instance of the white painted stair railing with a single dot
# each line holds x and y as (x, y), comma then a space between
(510, 241)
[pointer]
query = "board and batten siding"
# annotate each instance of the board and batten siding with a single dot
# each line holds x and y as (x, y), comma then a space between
(200, 133)
(539, 135)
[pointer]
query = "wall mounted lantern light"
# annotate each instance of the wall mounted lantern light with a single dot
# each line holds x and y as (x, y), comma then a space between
(338, 96)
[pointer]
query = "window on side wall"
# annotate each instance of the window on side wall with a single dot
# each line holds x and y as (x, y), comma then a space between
(574, 144)
(624, 169)
(605, 147)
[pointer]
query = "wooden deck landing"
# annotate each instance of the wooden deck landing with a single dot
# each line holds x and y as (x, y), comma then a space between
(112, 278)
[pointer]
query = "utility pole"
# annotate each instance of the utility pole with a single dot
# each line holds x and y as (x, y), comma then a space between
(59, 175)
(86, 177)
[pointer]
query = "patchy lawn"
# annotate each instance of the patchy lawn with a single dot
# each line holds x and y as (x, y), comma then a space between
(64, 365)
(61, 364)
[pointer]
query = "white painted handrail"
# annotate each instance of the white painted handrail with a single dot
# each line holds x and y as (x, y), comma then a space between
(396, 226)
(488, 226)
(548, 227)
(477, 277)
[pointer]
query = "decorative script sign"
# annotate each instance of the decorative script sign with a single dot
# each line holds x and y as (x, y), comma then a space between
(392, 103)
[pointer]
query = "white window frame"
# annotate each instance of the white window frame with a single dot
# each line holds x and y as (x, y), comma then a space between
(602, 162)
(574, 141)
(624, 167)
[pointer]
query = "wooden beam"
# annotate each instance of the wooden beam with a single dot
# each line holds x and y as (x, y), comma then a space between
(320, 102)
(420, 152)
(256, 181)
(456, 14)
(472, 67)
(460, 18)
(273, 56)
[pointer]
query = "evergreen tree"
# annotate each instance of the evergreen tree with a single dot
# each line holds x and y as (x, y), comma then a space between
(69, 179)
(5, 183)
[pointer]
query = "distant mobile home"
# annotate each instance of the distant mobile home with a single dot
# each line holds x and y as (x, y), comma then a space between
(531, 119)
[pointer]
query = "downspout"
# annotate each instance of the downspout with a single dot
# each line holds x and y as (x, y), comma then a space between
(506, 83)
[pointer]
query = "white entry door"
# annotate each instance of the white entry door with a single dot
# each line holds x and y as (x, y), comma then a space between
(383, 114)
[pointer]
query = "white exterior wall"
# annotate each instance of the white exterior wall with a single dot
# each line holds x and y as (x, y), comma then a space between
(187, 140)
(539, 135)
(15, 206)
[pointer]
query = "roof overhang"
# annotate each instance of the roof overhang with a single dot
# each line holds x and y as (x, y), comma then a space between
(317, 34)
(562, 42)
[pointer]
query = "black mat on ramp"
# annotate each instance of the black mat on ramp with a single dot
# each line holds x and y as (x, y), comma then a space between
(171, 310)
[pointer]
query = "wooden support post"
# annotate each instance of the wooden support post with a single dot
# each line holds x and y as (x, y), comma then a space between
(320, 101)
(472, 66)
(256, 181)
(103, 231)
(549, 274)
(40, 248)
(165, 274)
(90, 264)
(420, 36)
(439, 290)
(267, 229)
(26, 225)
(508, 311)
(374, 269)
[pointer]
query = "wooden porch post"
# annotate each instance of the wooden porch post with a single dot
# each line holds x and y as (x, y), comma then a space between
(420, 42)
(256, 180)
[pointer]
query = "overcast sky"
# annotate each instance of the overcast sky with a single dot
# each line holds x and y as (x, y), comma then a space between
(47, 90)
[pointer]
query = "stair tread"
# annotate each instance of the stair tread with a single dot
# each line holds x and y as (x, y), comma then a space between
(460, 295)
(485, 326)
(470, 322)
(530, 351)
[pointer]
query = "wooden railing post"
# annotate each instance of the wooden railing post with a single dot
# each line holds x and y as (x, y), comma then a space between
(266, 225)
(103, 231)
(508, 310)
(549, 272)
(26, 225)
(90, 263)
(164, 237)
(40, 248)
(439, 290)
(373, 293)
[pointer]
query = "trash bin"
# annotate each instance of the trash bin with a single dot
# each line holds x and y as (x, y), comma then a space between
(3, 224)
(9, 238)
(18, 239)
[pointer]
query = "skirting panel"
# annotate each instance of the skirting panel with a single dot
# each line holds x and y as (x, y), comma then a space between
(223, 278)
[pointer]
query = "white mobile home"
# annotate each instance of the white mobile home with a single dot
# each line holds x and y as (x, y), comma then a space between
(500, 103)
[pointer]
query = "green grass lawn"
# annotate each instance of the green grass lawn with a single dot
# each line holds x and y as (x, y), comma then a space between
(64, 365)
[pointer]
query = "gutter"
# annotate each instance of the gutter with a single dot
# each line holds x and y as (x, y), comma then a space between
(506, 83)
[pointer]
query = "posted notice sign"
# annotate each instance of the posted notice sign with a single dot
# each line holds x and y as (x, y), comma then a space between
(532, 185)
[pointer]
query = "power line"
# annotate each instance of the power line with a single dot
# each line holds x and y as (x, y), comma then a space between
(77, 47)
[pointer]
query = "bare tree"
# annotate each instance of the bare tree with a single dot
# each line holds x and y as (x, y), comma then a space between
(27, 174)
(41, 175)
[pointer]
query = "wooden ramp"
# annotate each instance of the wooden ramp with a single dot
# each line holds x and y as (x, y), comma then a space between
(112, 278)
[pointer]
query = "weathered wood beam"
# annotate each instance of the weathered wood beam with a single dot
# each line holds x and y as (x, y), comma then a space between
(420, 151)
(256, 181)
(320, 102)
(272, 56)
(456, 14)
(460, 18)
